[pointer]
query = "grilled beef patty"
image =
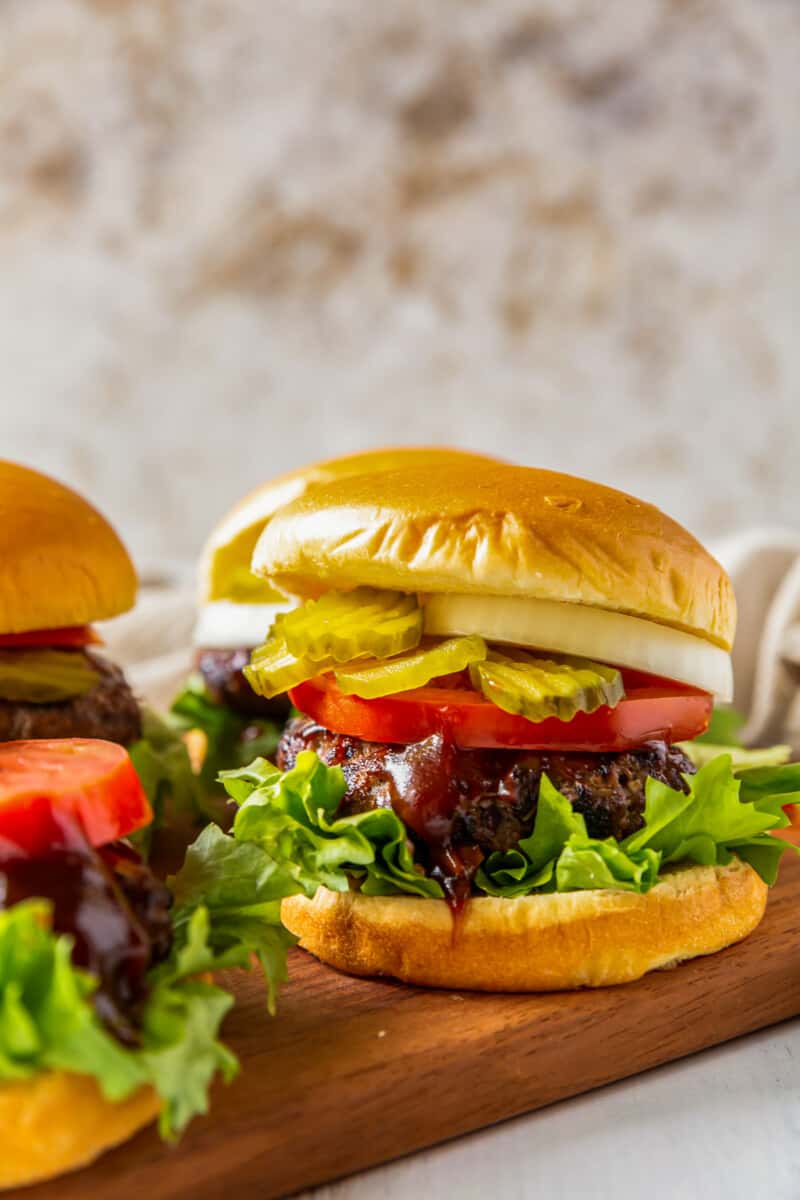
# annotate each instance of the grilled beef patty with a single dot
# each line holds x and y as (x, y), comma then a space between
(226, 684)
(460, 805)
(108, 711)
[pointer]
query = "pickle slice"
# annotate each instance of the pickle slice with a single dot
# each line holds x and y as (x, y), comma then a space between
(45, 676)
(365, 623)
(273, 668)
(411, 670)
(538, 688)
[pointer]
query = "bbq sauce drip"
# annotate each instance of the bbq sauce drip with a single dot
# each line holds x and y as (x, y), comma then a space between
(424, 798)
(90, 904)
(420, 782)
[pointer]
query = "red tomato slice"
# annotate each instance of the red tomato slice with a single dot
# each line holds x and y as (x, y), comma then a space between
(653, 710)
(49, 786)
(69, 635)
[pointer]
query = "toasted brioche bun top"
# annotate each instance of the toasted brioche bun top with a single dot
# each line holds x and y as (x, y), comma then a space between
(490, 528)
(63, 564)
(225, 560)
(57, 1121)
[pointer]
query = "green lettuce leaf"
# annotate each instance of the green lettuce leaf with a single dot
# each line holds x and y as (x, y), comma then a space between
(724, 727)
(721, 815)
(181, 1052)
(180, 798)
(531, 866)
(226, 914)
(560, 856)
(604, 864)
(47, 1021)
(47, 1018)
(722, 737)
(162, 764)
(239, 888)
(767, 789)
(711, 812)
(701, 753)
(224, 729)
(291, 816)
(770, 787)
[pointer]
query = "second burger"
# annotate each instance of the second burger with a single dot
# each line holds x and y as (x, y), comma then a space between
(228, 723)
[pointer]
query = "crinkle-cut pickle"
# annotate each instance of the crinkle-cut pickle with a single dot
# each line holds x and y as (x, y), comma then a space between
(538, 688)
(273, 669)
(364, 623)
(411, 670)
(32, 676)
(342, 629)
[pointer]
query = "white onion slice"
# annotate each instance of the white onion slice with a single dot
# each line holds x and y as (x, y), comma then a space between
(608, 637)
(224, 625)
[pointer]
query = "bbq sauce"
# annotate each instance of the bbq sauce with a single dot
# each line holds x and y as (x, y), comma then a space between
(109, 941)
(421, 784)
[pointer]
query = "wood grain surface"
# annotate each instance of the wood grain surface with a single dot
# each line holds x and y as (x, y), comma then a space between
(352, 1073)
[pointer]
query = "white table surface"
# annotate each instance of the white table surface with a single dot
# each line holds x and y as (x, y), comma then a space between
(722, 1124)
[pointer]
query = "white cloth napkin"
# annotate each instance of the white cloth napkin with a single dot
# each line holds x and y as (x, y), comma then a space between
(154, 642)
(764, 565)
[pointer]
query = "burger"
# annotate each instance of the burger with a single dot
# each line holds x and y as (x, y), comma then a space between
(108, 1016)
(229, 724)
(500, 672)
(64, 568)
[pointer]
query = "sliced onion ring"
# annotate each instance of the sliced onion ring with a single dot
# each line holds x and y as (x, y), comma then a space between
(225, 625)
(595, 633)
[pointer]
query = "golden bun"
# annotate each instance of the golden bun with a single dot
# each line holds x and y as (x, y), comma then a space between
(57, 1122)
(63, 564)
(225, 559)
(491, 528)
(535, 943)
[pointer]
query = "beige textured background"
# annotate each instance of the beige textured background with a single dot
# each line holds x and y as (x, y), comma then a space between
(237, 234)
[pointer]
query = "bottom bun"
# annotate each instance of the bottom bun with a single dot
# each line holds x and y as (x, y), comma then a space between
(535, 943)
(57, 1122)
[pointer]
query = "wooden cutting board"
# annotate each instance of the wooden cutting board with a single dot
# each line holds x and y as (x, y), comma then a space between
(353, 1073)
